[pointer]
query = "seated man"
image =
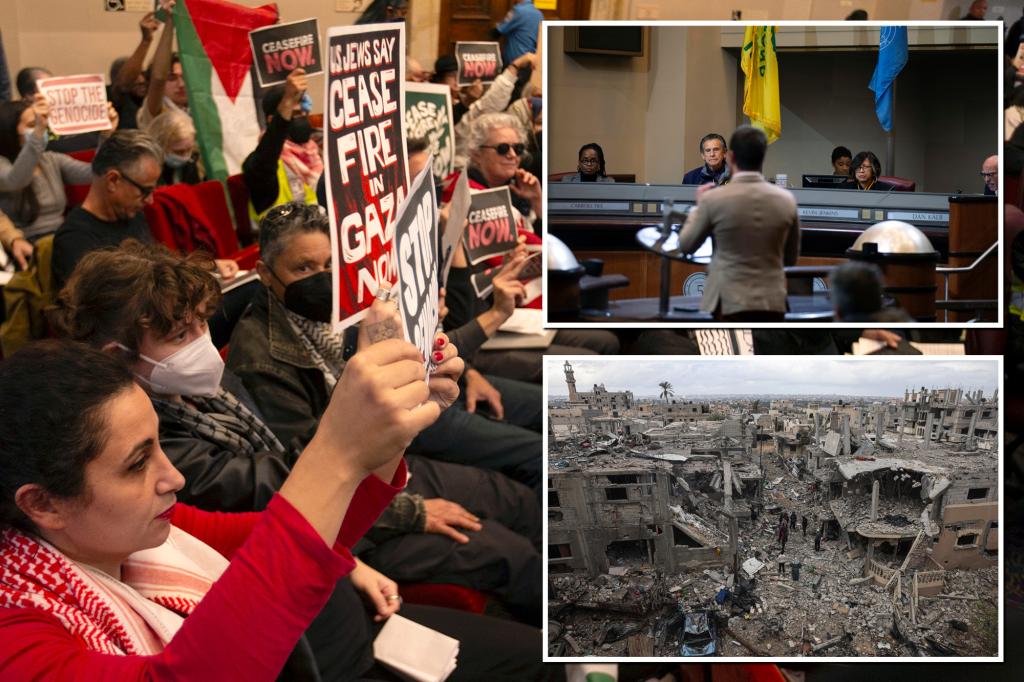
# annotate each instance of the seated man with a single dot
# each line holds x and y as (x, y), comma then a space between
(286, 164)
(990, 173)
(841, 159)
(756, 232)
(286, 354)
(125, 172)
(857, 295)
(715, 168)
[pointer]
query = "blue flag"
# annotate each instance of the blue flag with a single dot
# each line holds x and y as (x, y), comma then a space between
(892, 57)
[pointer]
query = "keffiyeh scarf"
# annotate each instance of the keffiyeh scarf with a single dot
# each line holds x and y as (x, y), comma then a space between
(137, 615)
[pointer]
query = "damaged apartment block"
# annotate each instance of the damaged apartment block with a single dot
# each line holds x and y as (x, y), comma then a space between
(665, 525)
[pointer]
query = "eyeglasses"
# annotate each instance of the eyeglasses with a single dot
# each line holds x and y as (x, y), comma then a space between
(143, 190)
(988, 174)
(504, 148)
(589, 162)
(866, 167)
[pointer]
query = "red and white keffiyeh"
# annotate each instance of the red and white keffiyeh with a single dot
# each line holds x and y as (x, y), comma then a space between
(137, 615)
(304, 161)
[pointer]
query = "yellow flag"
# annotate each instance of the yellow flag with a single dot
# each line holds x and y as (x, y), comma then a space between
(761, 86)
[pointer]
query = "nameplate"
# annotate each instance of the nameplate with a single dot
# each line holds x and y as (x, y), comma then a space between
(588, 206)
(822, 212)
(919, 216)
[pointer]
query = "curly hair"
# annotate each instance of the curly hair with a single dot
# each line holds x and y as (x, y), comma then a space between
(116, 295)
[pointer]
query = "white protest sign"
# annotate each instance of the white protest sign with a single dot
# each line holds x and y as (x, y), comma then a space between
(78, 104)
(416, 253)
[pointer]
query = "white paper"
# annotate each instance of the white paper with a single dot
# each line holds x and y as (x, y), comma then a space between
(416, 651)
(524, 321)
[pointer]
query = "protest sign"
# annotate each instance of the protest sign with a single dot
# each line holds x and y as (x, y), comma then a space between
(416, 252)
(78, 104)
(483, 281)
(477, 60)
(428, 115)
(365, 162)
(458, 208)
(491, 230)
(279, 49)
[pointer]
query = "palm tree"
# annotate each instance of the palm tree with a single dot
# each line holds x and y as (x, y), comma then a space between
(666, 390)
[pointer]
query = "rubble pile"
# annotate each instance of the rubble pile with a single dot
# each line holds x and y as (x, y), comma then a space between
(800, 532)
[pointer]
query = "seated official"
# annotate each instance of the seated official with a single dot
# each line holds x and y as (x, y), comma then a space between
(990, 174)
(590, 167)
(841, 159)
(857, 295)
(756, 231)
(715, 168)
(865, 171)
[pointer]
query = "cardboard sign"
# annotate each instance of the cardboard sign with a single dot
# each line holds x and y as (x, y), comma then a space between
(365, 162)
(477, 60)
(458, 209)
(428, 115)
(416, 252)
(491, 230)
(78, 104)
(280, 49)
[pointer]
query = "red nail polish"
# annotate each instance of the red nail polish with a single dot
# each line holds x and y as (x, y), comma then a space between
(438, 356)
(440, 342)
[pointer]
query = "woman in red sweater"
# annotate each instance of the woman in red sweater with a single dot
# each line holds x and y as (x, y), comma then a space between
(103, 576)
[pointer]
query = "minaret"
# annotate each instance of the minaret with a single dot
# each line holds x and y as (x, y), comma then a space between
(570, 380)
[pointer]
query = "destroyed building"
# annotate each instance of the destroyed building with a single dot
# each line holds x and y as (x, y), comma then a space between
(603, 515)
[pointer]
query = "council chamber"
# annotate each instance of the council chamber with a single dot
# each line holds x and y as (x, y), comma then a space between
(641, 119)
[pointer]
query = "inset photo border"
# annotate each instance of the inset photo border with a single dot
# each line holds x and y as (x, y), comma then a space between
(660, 98)
(783, 508)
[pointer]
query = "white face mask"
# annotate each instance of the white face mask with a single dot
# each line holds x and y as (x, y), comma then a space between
(196, 370)
(175, 161)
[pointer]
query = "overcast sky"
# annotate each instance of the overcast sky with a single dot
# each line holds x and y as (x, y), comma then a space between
(778, 375)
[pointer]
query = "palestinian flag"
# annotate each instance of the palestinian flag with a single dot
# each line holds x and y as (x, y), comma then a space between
(213, 42)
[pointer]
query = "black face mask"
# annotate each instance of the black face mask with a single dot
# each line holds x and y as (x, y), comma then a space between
(300, 130)
(310, 296)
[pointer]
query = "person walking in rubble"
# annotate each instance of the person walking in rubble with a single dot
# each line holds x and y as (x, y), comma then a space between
(792, 520)
(782, 561)
(817, 541)
(783, 536)
(803, 524)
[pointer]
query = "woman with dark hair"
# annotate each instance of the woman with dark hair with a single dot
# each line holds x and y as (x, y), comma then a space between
(103, 575)
(864, 171)
(590, 166)
(32, 179)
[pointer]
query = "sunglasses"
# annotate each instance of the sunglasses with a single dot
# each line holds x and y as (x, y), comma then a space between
(504, 148)
(143, 190)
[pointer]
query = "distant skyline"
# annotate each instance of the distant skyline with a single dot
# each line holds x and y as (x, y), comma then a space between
(774, 375)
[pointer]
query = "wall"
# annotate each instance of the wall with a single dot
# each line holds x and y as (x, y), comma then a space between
(649, 116)
(592, 98)
(98, 37)
(984, 516)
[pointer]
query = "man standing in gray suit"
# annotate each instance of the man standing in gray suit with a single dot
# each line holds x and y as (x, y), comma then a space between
(756, 233)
